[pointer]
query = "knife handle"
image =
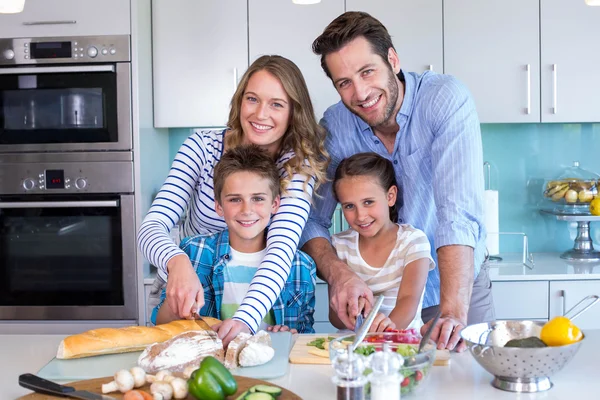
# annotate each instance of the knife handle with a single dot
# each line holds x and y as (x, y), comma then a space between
(41, 385)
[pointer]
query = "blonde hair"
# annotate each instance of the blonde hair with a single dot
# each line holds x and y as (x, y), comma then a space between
(304, 136)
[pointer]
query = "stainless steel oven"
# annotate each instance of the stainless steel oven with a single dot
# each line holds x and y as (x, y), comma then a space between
(65, 94)
(67, 237)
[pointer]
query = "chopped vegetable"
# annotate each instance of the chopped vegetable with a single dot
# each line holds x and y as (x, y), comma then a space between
(526, 342)
(318, 343)
(365, 350)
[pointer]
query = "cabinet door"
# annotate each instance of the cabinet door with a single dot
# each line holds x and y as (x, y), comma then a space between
(564, 295)
(521, 300)
(493, 47)
(415, 27)
(288, 29)
(47, 18)
(570, 61)
(200, 48)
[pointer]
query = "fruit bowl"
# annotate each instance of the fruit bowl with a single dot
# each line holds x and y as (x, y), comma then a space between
(573, 190)
(416, 367)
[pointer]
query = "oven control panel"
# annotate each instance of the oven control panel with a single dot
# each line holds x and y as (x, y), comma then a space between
(81, 49)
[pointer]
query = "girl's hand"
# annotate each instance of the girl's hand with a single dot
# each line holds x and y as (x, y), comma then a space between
(281, 328)
(381, 323)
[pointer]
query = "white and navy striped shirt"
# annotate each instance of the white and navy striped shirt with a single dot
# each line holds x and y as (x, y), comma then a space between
(189, 190)
(438, 162)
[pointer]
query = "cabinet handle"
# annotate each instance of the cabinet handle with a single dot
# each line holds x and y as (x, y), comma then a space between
(235, 79)
(528, 109)
(554, 89)
(430, 67)
(66, 22)
(563, 295)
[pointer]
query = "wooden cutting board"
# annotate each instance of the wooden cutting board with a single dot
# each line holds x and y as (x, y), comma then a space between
(95, 386)
(300, 354)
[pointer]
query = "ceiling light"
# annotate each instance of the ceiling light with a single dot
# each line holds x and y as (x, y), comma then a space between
(592, 2)
(306, 1)
(11, 6)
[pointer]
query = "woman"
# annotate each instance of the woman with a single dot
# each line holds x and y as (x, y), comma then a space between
(272, 109)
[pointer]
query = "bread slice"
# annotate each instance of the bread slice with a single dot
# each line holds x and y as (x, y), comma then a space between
(261, 337)
(234, 348)
(255, 353)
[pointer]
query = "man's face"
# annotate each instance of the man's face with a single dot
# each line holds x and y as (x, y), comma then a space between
(246, 204)
(366, 83)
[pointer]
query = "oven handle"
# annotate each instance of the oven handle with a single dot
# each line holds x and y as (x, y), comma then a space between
(60, 204)
(53, 70)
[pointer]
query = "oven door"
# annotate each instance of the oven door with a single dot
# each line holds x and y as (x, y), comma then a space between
(65, 108)
(67, 258)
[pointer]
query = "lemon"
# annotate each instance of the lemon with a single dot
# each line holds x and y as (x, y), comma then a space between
(560, 331)
(595, 206)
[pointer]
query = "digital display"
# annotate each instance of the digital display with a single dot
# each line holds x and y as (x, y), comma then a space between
(55, 179)
(51, 50)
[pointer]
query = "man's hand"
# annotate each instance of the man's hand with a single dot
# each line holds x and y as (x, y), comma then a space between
(345, 291)
(184, 290)
(229, 329)
(447, 333)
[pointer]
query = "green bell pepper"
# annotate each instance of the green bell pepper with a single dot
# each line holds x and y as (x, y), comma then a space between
(212, 381)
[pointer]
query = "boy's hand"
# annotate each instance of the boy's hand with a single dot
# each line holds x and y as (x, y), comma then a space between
(229, 329)
(281, 328)
(381, 323)
(184, 290)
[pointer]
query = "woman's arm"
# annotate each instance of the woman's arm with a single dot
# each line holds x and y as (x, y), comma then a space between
(410, 292)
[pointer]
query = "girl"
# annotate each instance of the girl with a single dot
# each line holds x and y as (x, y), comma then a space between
(393, 259)
(271, 108)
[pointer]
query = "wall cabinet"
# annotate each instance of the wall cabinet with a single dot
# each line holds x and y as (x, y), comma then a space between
(565, 294)
(200, 49)
(415, 27)
(288, 29)
(48, 18)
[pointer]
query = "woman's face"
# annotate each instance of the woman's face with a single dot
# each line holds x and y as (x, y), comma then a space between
(265, 112)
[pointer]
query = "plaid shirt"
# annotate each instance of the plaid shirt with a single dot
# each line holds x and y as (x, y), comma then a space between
(209, 254)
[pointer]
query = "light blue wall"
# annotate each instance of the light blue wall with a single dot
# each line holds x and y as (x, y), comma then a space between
(522, 157)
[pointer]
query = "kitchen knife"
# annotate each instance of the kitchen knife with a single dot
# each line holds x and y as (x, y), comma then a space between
(362, 332)
(41, 385)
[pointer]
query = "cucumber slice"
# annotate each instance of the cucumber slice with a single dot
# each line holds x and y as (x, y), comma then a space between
(259, 396)
(243, 395)
(272, 390)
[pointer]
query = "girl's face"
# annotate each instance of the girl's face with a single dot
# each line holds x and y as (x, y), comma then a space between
(366, 205)
(265, 112)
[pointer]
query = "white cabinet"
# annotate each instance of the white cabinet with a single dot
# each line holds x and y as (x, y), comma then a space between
(570, 63)
(288, 29)
(520, 300)
(48, 18)
(565, 294)
(493, 47)
(200, 49)
(415, 27)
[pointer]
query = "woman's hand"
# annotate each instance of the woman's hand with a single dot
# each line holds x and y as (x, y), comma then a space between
(184, 290)
(381, 323)
(281, 328)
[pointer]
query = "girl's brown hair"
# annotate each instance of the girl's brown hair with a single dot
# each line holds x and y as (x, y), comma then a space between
(304, 136)
(369, 164)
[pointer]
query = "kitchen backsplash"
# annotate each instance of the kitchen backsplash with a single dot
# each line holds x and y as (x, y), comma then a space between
(522, 156)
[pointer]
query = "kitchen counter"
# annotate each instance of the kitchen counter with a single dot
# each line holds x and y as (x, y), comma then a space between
(464, 379)
(547, 267)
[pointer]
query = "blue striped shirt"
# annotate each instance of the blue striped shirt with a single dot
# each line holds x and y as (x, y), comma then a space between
(188, 190)
(438, 162)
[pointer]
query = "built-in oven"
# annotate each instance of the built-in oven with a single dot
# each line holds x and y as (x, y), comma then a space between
(65, 94)
(67, 237)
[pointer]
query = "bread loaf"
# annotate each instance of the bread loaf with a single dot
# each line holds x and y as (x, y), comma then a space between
(121, 340)
(186, 349)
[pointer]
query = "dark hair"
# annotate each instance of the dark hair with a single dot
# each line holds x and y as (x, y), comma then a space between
(248, 158)
(349, 26)
(371, 164)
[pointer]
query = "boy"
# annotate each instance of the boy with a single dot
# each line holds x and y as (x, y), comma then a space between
(247, 188)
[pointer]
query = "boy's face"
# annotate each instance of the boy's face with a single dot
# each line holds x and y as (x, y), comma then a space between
(246, 204)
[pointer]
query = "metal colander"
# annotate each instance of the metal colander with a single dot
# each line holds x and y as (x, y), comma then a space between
(516, 369)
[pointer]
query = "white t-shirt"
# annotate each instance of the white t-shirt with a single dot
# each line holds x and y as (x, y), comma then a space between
(411, 245)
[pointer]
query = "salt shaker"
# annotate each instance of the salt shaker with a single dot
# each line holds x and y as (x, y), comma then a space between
(349, 378)
(385, 378)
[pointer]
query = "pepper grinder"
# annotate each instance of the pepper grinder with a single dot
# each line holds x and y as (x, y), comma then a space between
(349, 378)
(385, 378)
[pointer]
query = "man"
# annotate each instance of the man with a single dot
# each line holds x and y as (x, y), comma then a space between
(427, 126)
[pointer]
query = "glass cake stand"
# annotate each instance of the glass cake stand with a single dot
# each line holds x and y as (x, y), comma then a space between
(583, 249)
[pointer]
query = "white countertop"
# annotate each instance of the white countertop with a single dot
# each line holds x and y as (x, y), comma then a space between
(464, 379)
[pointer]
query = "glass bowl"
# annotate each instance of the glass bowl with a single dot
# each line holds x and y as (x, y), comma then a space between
(574, 188)
(416, 367)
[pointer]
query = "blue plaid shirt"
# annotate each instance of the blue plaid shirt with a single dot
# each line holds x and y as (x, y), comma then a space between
(209, 254)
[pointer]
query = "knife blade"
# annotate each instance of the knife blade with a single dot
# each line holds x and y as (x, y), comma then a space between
(41, 385)
(359, 322)
(367, 323)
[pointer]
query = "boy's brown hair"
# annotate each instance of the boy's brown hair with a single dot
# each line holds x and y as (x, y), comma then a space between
(347, 27)
(246, 158)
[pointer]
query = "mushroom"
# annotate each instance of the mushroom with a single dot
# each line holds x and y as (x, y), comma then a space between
(123, 382)
(161, 390)
(180, 388)
(187, 372)
(160, 376)
(139, 376)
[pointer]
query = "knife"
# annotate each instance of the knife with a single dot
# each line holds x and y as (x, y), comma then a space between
(41, 385)
(367, 322)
